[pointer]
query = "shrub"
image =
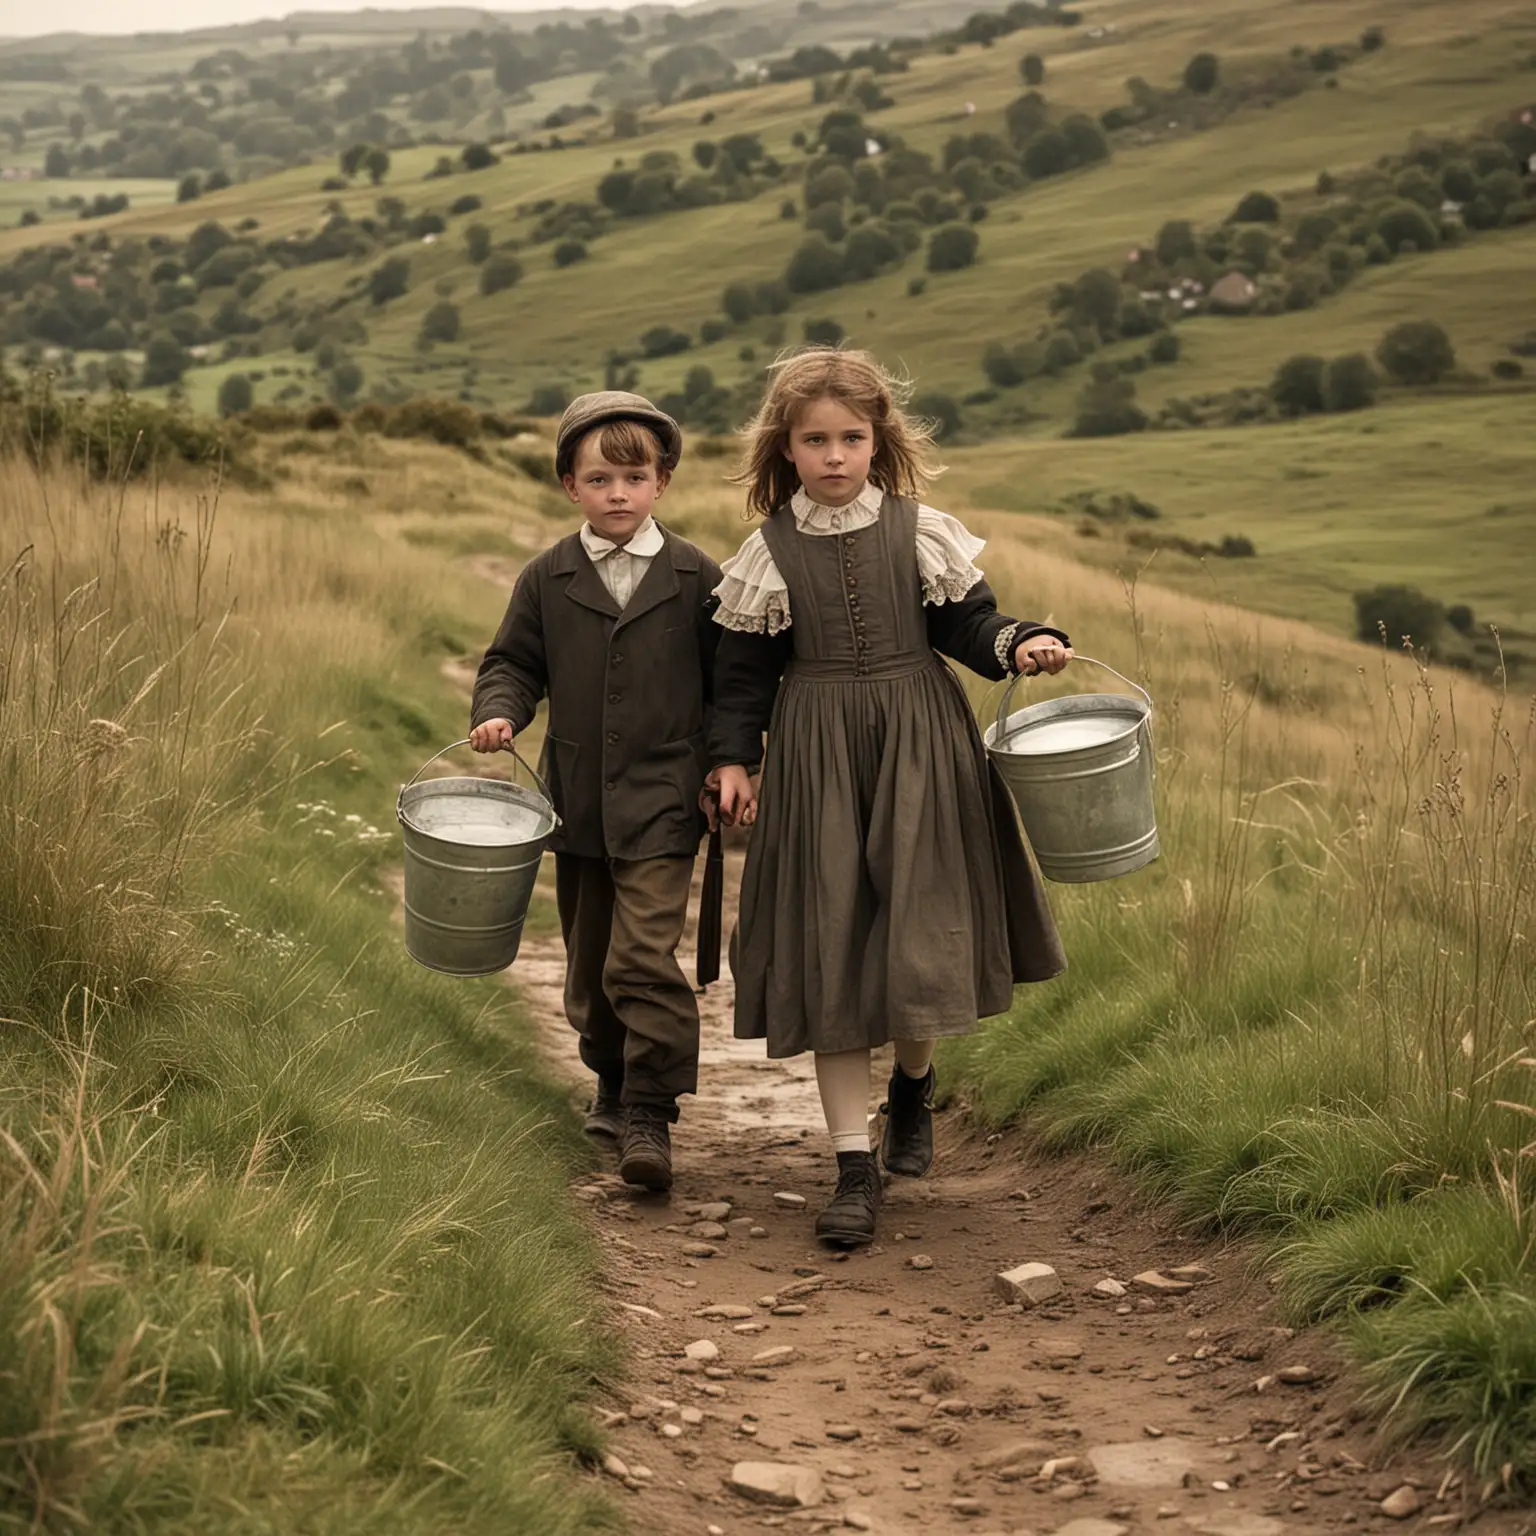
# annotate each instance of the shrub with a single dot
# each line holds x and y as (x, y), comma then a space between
(1416, 352)
(322, 418)
(772, 296)
(165, 361)
(1377, 252)
(1349, 383)
(815, 266)
(941, 410)
(823, 333)
(1107, 408)
(190, 189)
(499, 273)
(426, 223)
(568, 252)
(826, 219)
(1256, 208)
(440, 323)
(478, 157)
(441, 421)
(548, 400)
(236, 394)
(916, 287)
(664, 341)
(1404, 223)
(1202, 73)
(870, 250)
(389, 280)
(1047, 154)
(469, 203)
(1508, 368)
(1372, 39)
(713, 330)
(1165, 348)
(477, 243)
(1398, 612)
(1002, 365)
(738, 302)
(1086, 144)
(1062, 350)
(952, 248)
(1032, 68)
(1460, 617)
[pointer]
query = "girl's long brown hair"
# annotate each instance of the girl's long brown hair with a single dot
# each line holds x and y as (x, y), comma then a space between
(902, 464)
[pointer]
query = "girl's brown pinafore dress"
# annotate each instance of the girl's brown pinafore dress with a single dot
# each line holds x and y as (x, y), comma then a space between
(887, 893)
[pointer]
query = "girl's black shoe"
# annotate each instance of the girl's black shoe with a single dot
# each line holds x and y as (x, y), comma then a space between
(850, 1218)
(906, 1146)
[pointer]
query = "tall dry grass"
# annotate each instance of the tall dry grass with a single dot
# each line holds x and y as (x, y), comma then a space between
(282, 1222)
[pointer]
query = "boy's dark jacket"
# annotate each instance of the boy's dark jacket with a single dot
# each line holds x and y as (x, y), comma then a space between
(629, 695)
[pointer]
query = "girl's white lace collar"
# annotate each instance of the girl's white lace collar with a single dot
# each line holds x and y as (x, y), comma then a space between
(812, 517)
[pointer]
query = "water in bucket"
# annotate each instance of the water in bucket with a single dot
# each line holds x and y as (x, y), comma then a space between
(472, 852)
(1080, 770)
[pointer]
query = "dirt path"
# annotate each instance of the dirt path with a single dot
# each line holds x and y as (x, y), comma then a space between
(913, 1395)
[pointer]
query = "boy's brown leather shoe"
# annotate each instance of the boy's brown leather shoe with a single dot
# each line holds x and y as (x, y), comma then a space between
(646, 1158)
(605, 1117)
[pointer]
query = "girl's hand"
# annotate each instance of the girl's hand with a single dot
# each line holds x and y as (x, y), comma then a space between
(738, 796)
(1041, 653)
(492, 736)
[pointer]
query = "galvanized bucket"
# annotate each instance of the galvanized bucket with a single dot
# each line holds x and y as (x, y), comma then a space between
(472, 851)
(1080, 770)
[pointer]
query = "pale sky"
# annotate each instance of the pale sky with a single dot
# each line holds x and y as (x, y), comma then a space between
(27, 18)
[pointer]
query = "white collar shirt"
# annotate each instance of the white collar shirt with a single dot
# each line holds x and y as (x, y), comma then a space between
(622, 567)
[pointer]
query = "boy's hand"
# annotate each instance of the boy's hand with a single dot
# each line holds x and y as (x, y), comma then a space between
(737, 795)
(492, 736)
(1041, 653)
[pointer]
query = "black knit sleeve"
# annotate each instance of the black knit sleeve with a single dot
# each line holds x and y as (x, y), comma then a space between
(748, 668)
(968, 631)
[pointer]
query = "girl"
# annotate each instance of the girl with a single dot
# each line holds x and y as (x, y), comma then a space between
(887, 893)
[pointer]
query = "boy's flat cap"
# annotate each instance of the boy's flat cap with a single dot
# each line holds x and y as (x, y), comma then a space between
(596, 410)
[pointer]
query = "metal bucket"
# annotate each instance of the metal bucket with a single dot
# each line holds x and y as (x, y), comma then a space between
(1080, 770)
(472, 851)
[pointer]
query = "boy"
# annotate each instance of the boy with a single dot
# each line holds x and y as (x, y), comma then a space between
(614, 624)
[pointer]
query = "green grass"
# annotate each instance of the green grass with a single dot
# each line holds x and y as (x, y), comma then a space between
(283, 1235)
(1434, 492)
(16, 197)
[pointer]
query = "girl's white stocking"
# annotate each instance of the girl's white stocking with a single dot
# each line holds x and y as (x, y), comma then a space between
(843, 1078)
(914, 1057)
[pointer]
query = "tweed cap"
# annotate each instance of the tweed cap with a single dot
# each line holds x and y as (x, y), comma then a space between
(597, 410)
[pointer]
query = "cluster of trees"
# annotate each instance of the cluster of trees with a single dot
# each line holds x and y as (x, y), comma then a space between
(734, 169)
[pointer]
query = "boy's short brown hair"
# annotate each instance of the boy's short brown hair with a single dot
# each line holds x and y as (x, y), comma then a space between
(622, 442)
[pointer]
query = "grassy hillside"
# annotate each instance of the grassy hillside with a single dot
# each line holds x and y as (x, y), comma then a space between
(284, 1242)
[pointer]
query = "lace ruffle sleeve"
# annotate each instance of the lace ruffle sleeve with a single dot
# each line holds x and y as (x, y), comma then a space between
(754, 597)
(946, 556)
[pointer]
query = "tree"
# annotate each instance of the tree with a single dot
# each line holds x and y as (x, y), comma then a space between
(1176, 243)
(389, 280)
(499, 272)
(952, 248)
(376, 163)
(236, 394)
(1407, 224)
(939, 409)
(1096, 299)
(165, 361)
(1297, 387)
(217, 181)
(1349, 383)
(568, 252)
(353, 158)
(815, 266)
(1002, 365)
(1107, 407)
(1165, 347)
(871, 248)
(1256, 208)
(1086, 144)
(1398, 613)
(56, 163)
(1417, 352)
(1047, 154)
(189, 190)
(477, 243)
(1202, 73)
(626, 123)
(823, 333)
(738, 302)
(1032, 67)
(440, 323)
(479, 157)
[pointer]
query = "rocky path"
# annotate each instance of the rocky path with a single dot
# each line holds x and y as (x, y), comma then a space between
(1143, 1383)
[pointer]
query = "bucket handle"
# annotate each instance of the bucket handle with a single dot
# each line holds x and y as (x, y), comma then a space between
(543, 788)
(1000, 732)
